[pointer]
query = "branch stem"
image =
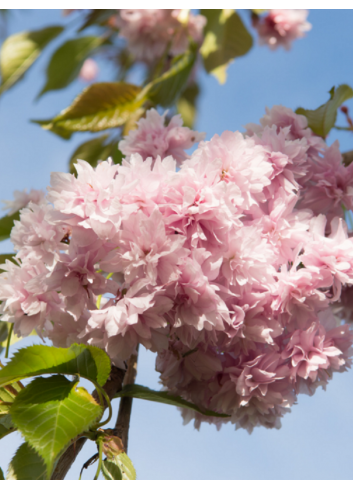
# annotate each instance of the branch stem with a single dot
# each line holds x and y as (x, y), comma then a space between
(123, 422)
(113, 385)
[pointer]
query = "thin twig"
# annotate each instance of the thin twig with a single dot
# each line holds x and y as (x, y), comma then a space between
(124, 415)
(113, 385)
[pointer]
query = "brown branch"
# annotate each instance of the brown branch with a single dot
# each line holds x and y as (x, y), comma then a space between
(124, 415)
(347, 157)
(112, 386)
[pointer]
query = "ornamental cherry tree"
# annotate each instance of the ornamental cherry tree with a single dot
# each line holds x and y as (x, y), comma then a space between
(229, 258)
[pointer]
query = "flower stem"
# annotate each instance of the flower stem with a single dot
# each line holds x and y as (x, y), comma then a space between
(10, 325)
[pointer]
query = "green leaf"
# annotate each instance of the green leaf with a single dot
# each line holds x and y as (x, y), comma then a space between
(97, 17)
(100, 106)
(8, 256)
(67, 61)
(2, 478)
(19, 52)
(26, 465)
(166, 89)
(89, 362)
(94, 150)
(51, 412)
(111, 471)
(226, 38)
(6, 425)
(186, 104)
(322, 120)
(6, 225)
(141, 392)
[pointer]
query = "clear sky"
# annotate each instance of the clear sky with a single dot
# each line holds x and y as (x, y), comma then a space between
(316, 438)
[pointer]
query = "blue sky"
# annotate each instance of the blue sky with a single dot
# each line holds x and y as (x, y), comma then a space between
(315, 441)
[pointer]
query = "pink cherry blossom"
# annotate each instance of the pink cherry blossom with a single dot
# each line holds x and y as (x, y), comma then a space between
(149, 32)
(89, 70)
(22, 199)
(236, 269)
(282, 26)
(154, 138)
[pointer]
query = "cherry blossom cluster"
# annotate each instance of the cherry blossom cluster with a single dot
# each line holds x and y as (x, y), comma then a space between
(151, 33)
(279, 27)
(234, 268)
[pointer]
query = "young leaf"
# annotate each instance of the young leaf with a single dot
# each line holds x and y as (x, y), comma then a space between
(6, 224)
(111, 471)
(26, 465)
(100, 106)
(166, 89)
(94, 150)
(126, 467)
(19, 52)
(89, 362)
(51, 412)
(141, 392)
(226, 38)
(322, 120)
(67, 61)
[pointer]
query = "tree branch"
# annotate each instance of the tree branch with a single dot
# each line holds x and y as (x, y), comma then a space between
(112, 386)
(123, 422)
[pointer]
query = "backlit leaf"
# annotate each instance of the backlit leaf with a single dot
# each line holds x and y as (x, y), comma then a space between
(19, 52)
(89, 362)
(111, 471)
(67, 61)
(100, 106)
(322, 120)
(226, 38)
(51, 412)
(166, 89)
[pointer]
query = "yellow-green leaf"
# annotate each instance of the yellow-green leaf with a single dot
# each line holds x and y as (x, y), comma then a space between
(87, 361)
(100, 106)
(19, 52)
(322, 120)
(226, 38)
